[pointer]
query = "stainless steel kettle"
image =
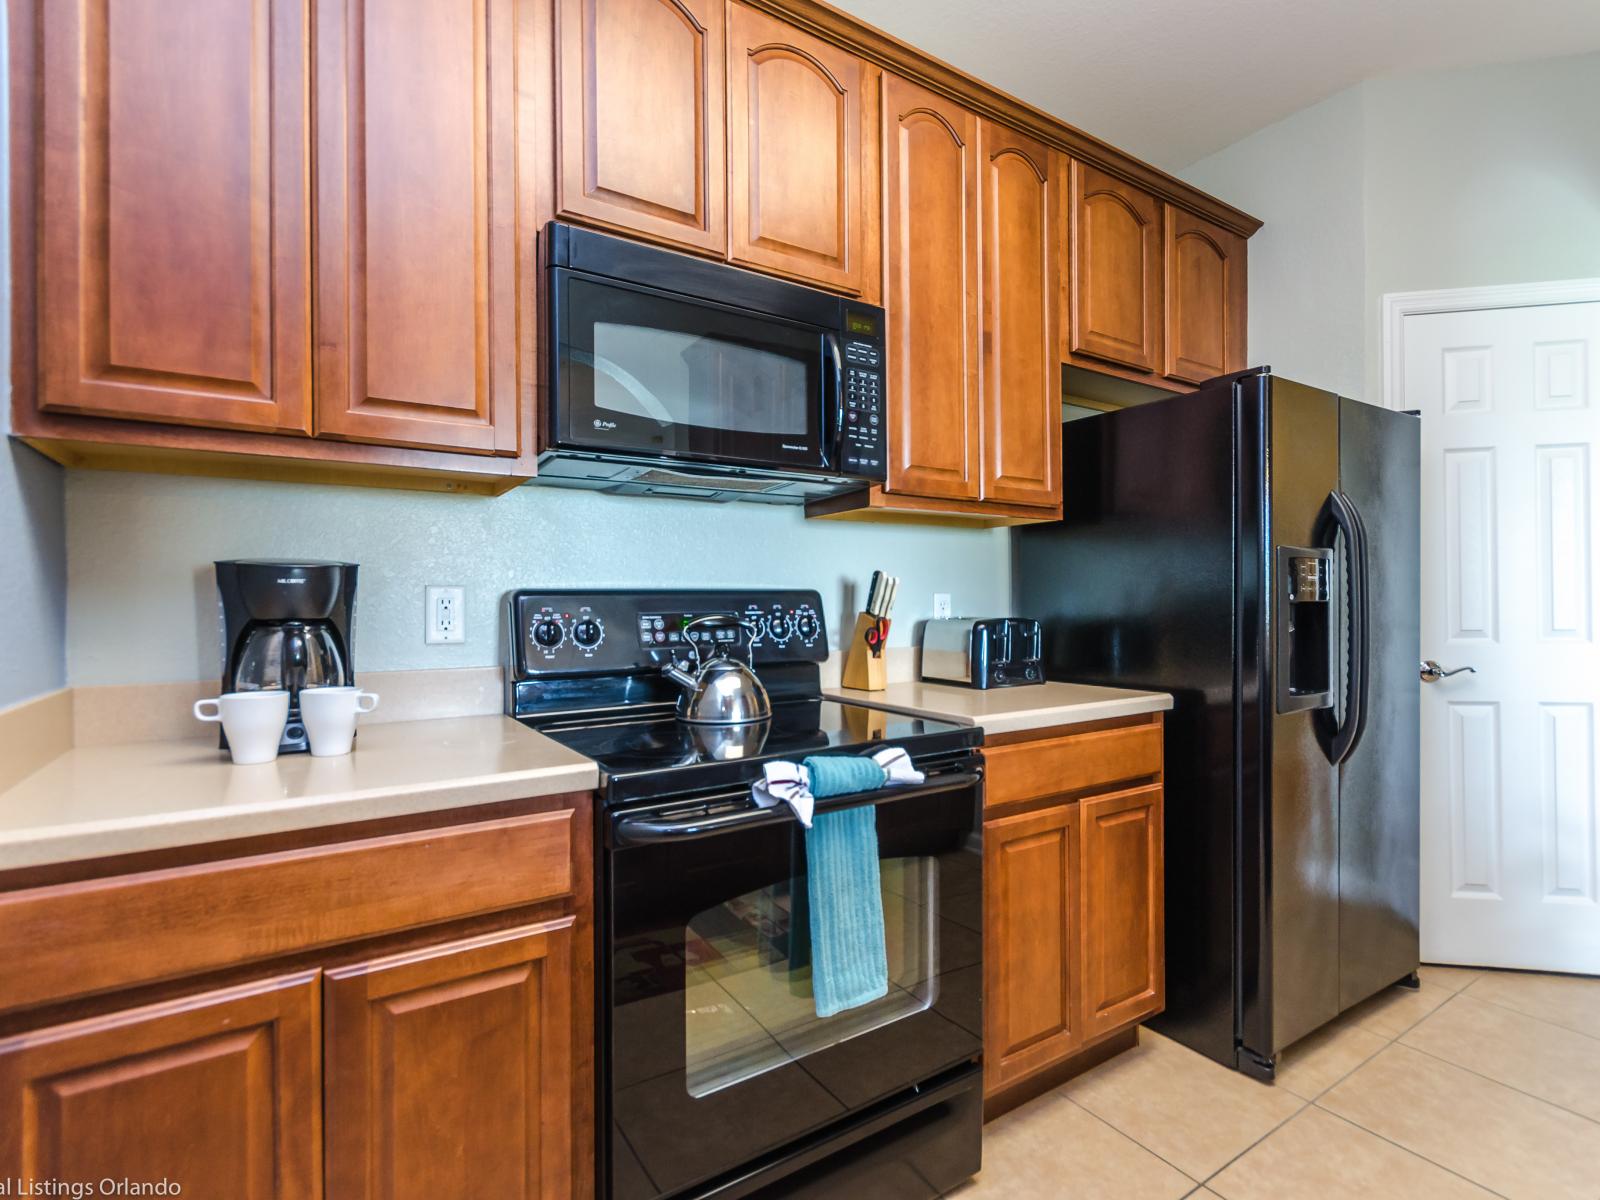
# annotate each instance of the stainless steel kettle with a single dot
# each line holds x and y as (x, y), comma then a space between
(720, 690)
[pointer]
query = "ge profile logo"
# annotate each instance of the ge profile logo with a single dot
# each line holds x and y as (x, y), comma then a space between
(599, 424)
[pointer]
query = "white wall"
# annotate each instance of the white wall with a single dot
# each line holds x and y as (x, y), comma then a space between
(1482, 176)
(143, 597)
(33, 571)
(1303, 177)
(1470, 177)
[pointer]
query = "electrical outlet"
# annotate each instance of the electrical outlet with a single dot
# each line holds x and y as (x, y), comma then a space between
(941, 605)
(444, 615)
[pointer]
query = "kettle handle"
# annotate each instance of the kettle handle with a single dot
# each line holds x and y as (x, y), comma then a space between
(717, 621)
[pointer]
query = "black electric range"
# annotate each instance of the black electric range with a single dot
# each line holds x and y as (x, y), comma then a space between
(715, 1076)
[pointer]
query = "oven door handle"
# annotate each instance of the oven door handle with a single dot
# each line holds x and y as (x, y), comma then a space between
(645, 831)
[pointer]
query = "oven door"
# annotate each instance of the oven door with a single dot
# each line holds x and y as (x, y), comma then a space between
(714, 1060)
(648, 373)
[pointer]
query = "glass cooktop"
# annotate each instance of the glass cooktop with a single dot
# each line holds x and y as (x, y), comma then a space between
(662, 756)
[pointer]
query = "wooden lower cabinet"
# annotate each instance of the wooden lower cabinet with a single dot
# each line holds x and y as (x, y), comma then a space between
(218, 1092)
(1073, 918)
(1031, 863)
(432, 1042)
(449, 1070)
(1123, 946)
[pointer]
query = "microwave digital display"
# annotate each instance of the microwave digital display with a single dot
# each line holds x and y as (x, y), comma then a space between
(862, 323)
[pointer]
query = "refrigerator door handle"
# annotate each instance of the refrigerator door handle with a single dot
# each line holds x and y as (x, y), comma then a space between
(1340, 516)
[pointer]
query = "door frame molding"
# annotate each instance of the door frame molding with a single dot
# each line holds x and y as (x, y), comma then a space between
(1397, 306)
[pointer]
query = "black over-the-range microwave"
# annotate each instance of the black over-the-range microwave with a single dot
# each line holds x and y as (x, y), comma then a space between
(672, 375)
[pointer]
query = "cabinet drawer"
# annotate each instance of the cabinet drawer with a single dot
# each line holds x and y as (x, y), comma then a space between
(1076, 762)
(77, 938)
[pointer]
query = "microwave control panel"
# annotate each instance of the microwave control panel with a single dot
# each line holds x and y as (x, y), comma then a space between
(862, 423)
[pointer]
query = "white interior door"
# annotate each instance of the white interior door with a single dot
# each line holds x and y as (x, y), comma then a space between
(1510, 402)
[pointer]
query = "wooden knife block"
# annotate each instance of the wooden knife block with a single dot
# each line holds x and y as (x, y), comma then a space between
(865, 669)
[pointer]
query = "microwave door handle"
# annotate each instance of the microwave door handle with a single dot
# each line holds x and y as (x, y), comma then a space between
(644, 831)
(833, 405)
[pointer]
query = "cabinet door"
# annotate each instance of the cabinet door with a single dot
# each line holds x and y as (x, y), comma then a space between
(450, 1070)
(1021, 382)
(1030, 952)
(931, 293)
(1205, 294)
(640, 132)
(219, 1093)
(800, 147)
(1124, 938)
(416, 113)
(1115, 273)
(173, 212)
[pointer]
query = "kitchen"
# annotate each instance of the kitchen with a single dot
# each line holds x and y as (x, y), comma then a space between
(267, 311)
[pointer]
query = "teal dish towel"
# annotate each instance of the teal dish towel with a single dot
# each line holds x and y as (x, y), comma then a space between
(849, 964)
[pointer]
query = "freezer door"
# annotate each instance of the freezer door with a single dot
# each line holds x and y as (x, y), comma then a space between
(1379, 786)
(1288, 797)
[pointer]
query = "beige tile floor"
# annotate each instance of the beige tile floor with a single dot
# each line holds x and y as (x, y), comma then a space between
(1480, 1084)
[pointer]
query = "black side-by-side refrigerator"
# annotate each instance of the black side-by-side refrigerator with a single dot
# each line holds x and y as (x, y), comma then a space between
(1253, 548)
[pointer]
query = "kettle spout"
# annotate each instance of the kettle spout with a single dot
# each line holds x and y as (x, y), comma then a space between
(680, 677)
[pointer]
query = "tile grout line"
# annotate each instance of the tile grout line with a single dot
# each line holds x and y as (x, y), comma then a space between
(1531, 1016)
(1500, 1082)
(1304, 1104)
(1122, 1133)
(1407, 1150)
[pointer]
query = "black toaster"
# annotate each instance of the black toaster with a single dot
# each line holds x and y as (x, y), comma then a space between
(983, 652)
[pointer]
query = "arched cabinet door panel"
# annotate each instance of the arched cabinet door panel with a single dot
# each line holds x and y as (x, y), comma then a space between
(1205, 297)
(1115, 270)
(640, 132)
(931, 181)
(802, 154)
(1021, 376)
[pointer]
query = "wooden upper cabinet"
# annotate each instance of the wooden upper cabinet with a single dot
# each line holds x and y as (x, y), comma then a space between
(1205, 295)
(1021, 379)
(931, 237)
(802, 152)
(1114, 279)
(173, 211)
(1124, 938)
(1031, 886)
(640, 132)
(417, 234)
(219, 1093)
(450, 1070)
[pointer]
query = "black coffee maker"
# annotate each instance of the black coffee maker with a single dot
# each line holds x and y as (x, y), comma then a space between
(286, 626)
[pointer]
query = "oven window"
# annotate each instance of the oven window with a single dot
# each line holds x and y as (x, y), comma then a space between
(748, 1006)
(685, 379)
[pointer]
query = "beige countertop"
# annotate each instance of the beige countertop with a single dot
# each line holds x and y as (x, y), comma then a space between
(94, 801)
(1009, 709)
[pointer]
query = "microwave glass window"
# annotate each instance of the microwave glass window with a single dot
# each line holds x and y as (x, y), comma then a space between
(748, 1005)
(676, 378)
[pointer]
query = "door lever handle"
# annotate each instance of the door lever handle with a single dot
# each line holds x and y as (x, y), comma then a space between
(1432, 672)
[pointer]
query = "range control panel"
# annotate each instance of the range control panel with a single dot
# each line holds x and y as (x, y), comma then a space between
(580, 633)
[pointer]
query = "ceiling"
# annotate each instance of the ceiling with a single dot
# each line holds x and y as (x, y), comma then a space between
(1174, 80)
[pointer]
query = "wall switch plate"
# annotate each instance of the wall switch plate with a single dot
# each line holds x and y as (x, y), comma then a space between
(444, 616)
(941, 605)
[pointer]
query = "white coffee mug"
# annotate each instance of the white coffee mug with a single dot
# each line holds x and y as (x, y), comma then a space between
(252, 721)
(329, 715)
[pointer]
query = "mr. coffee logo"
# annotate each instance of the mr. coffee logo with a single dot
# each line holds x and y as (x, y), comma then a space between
(601, 424)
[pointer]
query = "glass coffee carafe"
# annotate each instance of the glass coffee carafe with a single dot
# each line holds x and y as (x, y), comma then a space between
(288, 656)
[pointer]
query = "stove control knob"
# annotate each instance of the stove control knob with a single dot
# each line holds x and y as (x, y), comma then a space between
(807, 626)
(547, 633)
(779, 626)
(587, 633)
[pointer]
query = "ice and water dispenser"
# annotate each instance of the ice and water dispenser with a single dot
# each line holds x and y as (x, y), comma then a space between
(1305, 642)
